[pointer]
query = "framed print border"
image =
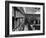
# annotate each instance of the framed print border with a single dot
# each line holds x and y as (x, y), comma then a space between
(7, 18)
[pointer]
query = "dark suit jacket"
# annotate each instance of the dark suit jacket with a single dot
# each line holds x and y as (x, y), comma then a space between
(29, 23)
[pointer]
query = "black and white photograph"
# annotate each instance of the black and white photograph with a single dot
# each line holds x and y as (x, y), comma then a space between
(25, 18)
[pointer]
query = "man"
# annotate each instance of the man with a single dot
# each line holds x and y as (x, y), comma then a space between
(29, 22)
